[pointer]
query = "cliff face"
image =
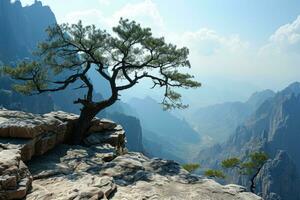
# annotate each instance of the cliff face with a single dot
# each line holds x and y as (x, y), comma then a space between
(273, 128)
(20, 29)
(133, 129)
(279, 177)
(19, 35)
(101, 169)
(219, 127)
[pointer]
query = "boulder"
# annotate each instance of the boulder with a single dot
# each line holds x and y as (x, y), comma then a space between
(15, 178)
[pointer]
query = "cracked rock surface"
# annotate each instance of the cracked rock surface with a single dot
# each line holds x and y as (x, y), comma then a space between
(126, 177)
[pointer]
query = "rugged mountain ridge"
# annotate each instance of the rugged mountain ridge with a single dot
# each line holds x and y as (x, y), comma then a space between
(273, 128)
(20, 29)
(218, 127)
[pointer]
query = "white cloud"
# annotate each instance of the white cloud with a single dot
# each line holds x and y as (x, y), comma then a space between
(213, 54)
(288, 34)
(145, 12)
(216, 55)
(286, 39)
(207, 42)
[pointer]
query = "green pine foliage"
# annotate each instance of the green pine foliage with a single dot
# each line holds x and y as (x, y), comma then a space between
(250, 167)
(191, 167)
(214, 174)
(130, 54)
(124, 58)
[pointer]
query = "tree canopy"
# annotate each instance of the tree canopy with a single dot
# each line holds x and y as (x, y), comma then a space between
(214, 173)
(130, 54)
(123, 58)
(251, 167)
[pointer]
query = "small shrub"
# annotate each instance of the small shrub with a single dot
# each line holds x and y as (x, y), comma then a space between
(214, 173)
(191, 167)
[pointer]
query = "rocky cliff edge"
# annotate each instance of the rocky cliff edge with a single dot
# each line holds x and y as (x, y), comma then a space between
(37, 163)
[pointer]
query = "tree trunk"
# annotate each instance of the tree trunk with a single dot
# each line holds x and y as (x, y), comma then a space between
(87, 114)
(81, 127)
(252, 186)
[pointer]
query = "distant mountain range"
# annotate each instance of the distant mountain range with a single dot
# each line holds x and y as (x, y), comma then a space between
(274, 128)
(218, 121)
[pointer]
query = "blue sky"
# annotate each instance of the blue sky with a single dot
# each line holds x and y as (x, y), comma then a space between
(255, 20)
(245, 45)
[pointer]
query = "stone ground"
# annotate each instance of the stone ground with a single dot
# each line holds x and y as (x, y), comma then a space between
(70, 172)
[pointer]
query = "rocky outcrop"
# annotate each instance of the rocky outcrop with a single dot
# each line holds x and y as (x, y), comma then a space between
(15, 178)
(35, 134)
(139, 177)
(78, 172)
(133, 128)
(25, 135)
(97, 170)
(70, 172)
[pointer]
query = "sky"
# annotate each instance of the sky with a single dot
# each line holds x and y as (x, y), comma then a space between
(236, 46)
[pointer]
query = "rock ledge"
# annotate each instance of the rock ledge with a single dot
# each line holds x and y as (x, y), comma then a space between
(94, 171)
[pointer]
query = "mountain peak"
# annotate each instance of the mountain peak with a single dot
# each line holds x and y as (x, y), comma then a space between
(295, 85)
(258, 98)
(293, 88)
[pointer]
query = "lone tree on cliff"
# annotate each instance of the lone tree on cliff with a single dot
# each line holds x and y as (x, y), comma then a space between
(122, 59)
(250, 168)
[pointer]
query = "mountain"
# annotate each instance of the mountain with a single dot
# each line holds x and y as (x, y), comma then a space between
(156, 146)
(22, 28)
(279, 175)
(164, 134)
(273, 128)
(218, 121)
(19, 35)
